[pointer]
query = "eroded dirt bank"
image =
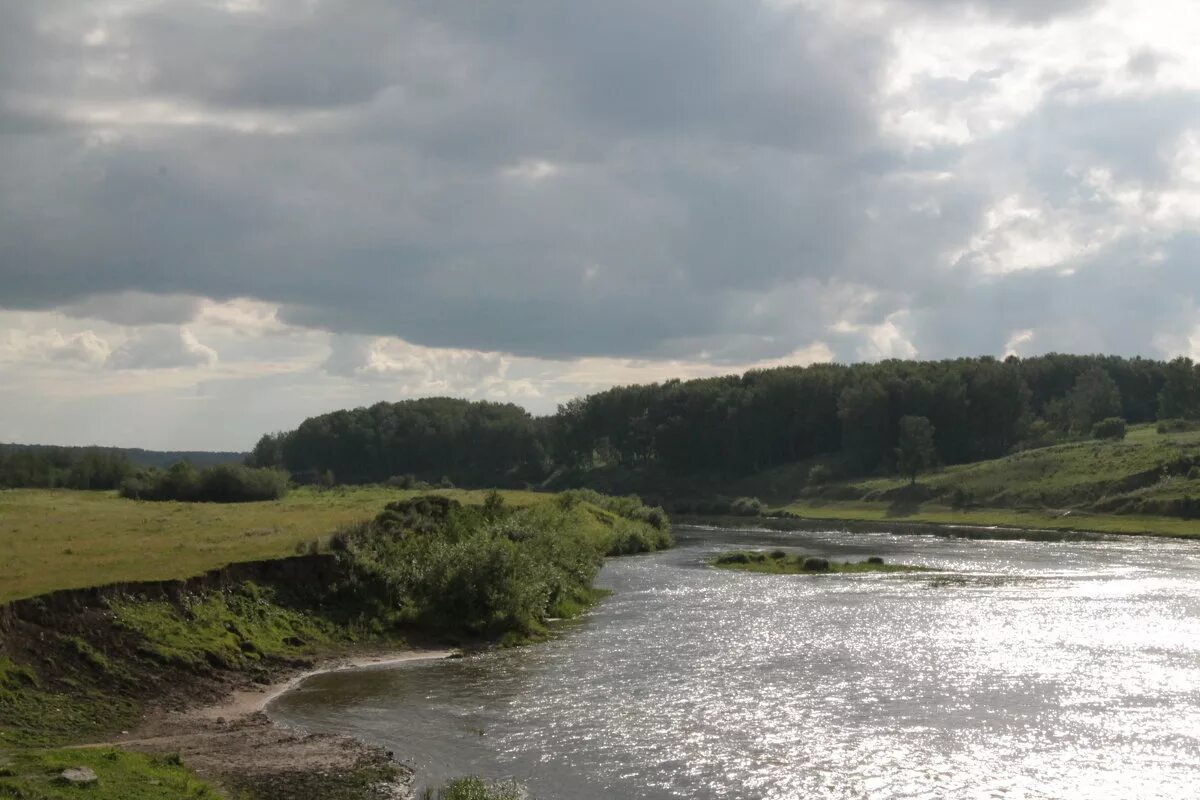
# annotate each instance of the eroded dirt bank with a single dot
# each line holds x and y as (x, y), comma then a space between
(186, 667)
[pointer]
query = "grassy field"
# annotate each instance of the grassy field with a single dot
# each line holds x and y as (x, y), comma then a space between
(63, 539)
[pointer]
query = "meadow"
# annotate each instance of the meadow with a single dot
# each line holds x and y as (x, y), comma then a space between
(65, 539)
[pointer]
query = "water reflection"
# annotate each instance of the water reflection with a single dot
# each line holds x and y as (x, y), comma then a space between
(1038, 669)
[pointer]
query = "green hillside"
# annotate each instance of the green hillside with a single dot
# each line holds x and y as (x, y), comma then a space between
(1148, 482)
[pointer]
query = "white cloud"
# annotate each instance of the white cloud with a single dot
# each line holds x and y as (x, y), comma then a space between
(50, 345)
(162, 347)
(1016, 342)
(888, 339)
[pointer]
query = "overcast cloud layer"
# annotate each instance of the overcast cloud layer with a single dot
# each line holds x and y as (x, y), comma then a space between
(217, 218)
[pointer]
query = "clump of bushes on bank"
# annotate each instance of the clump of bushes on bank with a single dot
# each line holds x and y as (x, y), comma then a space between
(474, 789)
(721, 506)
(224, 483)
(489, 571)
(778, 562)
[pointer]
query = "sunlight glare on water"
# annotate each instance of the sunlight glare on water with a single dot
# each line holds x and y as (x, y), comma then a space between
(1035, 670)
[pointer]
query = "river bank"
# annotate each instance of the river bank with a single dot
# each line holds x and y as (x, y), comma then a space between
(236, 746)
(973, 523)
(180, 669)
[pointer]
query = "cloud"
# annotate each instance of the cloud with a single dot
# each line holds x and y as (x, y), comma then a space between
(474, 198)
(1024, 11)
(83, 348)
(162, 347)
(1017, 342)
(135, 308)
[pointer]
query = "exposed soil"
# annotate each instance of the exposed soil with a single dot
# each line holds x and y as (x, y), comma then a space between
(100, 677)
(236, 746)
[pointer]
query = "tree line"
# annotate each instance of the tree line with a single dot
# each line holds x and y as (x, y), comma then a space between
(850, 416)
(62, 467)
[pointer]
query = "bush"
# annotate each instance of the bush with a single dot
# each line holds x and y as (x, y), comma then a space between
(630, 506)
(1193, 474)
(485, 570)
(874, 560)
(747, 507)
(778, 554)
(1177, 425)
(223, 483)
(813, 564)
(1110, 428)
(1186, 507)
(819, 474)
(960, 498)
(736, 557)
(474, 789)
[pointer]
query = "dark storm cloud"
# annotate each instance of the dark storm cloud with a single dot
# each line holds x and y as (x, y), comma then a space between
(689, 145)
(538, 177)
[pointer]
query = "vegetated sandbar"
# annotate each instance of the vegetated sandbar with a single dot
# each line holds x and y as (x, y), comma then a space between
(779, 562)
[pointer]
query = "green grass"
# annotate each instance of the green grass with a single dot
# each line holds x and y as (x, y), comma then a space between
(780, 563)
(1074, 486)
(472, 788)
(232, 630)
(1073, 474)
(938, 514)
(33, 775)
(62, 539)
(34, 715)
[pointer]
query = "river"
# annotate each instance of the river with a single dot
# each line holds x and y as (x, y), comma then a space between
(1027, 669)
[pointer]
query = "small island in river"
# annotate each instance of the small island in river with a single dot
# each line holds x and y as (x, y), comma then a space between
(779, 562)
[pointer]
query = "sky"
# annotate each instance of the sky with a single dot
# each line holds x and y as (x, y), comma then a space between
(219, 217)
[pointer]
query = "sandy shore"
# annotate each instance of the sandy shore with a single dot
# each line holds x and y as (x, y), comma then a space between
(234, 744)
(244, 702)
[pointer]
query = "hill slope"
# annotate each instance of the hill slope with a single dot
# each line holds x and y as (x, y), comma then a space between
(1105, 484)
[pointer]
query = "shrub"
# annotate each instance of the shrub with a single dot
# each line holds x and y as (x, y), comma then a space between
(813, 564)
(819, 474)
(778, 554)
(960, 497)
(474, 789)
(1194, 473)
(1187, 507)
(1110, 428)
(874, 560)
(736, 557)
(1177, 425)
(223, 483)
(747, 507)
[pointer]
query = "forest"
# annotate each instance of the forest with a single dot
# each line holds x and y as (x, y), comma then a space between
(62, 467)
(851, 417)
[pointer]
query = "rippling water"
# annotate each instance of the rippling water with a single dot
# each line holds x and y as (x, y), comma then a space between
(1039, 670)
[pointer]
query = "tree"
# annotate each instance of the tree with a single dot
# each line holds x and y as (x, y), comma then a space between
(1093, 397)
(1180, 395)
(916, 451)
(268, 452)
